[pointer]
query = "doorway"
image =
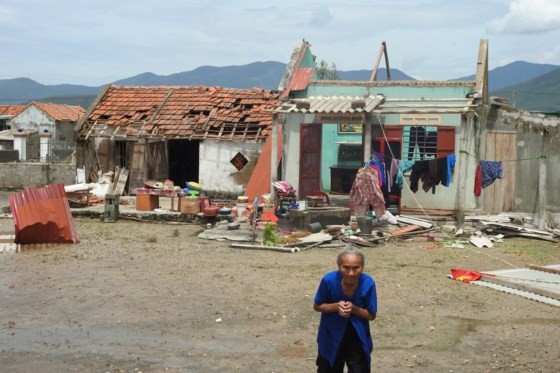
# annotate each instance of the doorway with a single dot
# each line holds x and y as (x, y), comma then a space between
(183, 161)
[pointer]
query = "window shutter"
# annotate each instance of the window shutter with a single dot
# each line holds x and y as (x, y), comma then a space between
(445, 141)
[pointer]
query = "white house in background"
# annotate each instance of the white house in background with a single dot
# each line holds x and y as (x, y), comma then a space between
(45, 131)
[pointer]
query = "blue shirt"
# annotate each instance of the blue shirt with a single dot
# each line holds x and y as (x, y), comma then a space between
(332, 326)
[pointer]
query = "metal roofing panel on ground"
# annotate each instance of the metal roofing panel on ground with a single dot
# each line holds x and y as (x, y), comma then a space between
(525, 276)
(42, 215)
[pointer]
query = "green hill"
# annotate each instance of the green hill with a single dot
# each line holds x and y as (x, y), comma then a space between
(541, 94)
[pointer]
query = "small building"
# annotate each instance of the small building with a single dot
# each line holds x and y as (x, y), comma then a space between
(209, 135)
(7, 112)
(45, 131)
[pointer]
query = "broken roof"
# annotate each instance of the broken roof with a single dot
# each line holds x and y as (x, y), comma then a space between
(181, 112)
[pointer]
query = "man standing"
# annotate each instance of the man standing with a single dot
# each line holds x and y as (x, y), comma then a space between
(347, 300)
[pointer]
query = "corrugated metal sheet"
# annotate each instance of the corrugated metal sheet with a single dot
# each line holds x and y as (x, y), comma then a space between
(525, 276)
(42, 215)
(300, 80)
(332, 104)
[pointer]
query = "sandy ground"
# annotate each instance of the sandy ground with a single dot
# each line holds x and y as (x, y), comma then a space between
(149, 297)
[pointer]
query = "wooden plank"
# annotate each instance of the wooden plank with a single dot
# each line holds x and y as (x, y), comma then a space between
(544, 269)
(525, 287)
(414, 221)
(404, 230)
(500, 195)
(115, 179)
(268, 248)
(121, 183)
(517, 228)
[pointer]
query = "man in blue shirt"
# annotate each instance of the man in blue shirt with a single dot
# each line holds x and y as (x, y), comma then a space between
(347, 300)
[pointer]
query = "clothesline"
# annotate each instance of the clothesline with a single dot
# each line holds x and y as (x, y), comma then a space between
(509, 160)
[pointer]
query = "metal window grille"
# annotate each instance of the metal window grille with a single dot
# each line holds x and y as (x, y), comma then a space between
(419, 142)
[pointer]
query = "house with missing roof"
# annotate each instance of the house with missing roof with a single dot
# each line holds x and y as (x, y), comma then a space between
(331, 128)
(210, 135)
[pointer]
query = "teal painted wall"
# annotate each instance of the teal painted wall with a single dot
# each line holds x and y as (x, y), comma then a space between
(329, 150)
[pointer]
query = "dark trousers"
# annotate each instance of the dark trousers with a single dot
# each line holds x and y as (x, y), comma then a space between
(417, 138)
(350, 353)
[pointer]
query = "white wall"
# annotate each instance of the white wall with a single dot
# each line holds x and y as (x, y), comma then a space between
(33, 119)
(218, 174)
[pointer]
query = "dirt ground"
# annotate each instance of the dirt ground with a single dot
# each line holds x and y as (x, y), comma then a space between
(152, 297)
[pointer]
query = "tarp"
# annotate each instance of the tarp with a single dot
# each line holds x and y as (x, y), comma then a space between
(42, 215)
(259, 183)
(465, 275)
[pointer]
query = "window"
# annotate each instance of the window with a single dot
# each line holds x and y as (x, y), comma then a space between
(424, 137)
(427, 142)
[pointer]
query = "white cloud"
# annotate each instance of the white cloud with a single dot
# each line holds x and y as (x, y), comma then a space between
(8, 16)
(320, 16)
(528, 16)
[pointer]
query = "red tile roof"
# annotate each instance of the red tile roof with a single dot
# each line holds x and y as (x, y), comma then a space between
(11, 109)
(189, 112)
(60, 112)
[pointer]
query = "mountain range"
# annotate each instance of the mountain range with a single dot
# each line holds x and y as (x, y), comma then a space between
(527, 85)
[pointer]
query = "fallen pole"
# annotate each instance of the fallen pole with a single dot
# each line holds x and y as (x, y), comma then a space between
(268, 248)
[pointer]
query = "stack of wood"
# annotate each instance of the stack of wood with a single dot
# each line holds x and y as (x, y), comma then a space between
(514, 230)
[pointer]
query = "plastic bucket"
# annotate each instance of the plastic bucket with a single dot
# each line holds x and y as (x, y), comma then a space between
(315, 227)
(241, 208)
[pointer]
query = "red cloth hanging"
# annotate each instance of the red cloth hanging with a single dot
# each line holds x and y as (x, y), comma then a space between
(478, 181)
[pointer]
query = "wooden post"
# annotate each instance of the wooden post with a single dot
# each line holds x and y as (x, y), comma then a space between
(463, 160)
(366, 128)
(542, 181)
(273, 156)
(146, 158)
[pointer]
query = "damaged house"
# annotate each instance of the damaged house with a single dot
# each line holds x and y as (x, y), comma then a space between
(332, 128)
(209, 135)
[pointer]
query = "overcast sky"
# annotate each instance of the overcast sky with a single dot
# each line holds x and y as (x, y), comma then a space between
(94, 42)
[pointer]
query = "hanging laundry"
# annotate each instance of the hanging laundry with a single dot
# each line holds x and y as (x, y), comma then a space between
(380, 167)
(485, 175)
(419, 169)
(366, 190)
(404, 166)
(491, 170)
(431, 172)
(450, 168)
(417, 138)
(478, 181)
(430, 147)
(394, 171)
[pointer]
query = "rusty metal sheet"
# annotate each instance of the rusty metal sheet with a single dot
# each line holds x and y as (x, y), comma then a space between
(42, 215)
(300, 80)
